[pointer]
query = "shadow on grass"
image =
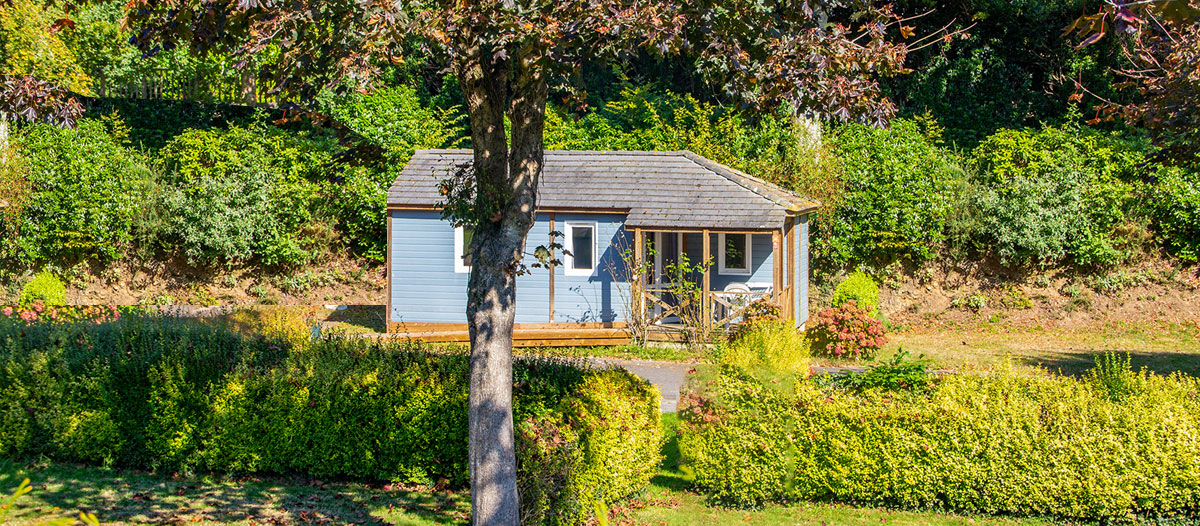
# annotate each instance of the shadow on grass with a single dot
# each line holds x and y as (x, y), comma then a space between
(670, 476)
(128, 497)
(1076, 362)
(366, 317)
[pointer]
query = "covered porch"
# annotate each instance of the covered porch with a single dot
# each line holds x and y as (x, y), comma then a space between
(710, 276)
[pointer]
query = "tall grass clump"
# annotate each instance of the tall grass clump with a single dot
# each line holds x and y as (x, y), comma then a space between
(772, 345)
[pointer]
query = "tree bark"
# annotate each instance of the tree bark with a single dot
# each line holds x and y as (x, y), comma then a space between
(506, 193)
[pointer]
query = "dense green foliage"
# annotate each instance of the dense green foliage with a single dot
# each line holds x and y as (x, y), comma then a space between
(44, 287)
(1176, 207)
(245, 193)
(28, 47)
(991, 443)
(394, 121)
(1014, 69)
(1056, 194)
(899, 190)
(178, 395)
(153, 123)
(1060, 193)
(224, 187)
(83, 194)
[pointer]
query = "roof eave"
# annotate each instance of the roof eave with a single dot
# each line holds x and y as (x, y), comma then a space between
(783, 197)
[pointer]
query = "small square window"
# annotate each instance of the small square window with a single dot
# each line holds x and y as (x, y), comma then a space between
(580, 259)
(462, 249)
(735, 254)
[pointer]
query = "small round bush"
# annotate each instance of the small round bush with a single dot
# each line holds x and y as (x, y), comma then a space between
(774, 345)
(45, 287)
(859, 288)
(847, 332)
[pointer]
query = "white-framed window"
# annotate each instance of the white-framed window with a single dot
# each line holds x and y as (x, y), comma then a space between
(735, 254)
(462, 249)
(579, 258)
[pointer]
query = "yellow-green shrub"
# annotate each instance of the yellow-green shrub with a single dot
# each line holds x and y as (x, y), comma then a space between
(45, 287)
(90, 436)
(991, 443)
(187, 395)
(598, 447)
(776, 346)
(285, 324)
(859, 288)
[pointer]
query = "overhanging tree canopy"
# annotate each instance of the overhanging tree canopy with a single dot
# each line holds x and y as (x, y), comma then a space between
(823, 57)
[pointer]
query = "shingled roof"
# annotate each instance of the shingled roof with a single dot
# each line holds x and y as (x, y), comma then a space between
(658, 189)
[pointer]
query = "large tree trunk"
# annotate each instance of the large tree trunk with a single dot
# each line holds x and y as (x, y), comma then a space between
(505, 198)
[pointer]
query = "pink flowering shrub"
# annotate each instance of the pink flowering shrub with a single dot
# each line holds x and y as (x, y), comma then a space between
(40, 312)
(847, 332)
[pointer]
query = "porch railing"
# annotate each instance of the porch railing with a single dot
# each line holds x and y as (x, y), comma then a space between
(720, 308)
(729, 306)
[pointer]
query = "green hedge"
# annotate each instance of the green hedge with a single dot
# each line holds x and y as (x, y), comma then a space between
(176, 395)
(990, 443)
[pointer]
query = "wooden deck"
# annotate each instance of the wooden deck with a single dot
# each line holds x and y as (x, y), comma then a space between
(530, 334)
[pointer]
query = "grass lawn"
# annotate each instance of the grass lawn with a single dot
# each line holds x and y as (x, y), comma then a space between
(124, 497)
(1162, 348)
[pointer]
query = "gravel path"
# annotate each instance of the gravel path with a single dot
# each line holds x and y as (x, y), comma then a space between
(669, 376)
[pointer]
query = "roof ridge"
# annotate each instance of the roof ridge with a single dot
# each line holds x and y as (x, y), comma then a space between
(773, 193)
(783, 197)
(663, 153)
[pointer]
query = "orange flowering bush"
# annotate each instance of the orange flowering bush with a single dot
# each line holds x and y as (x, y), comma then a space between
(38, 311)
(847, 331)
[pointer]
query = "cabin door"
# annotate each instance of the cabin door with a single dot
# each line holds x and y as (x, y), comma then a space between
(667, 248)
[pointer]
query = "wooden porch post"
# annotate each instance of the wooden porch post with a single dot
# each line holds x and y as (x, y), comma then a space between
(639, 256)
(705, 303)
(387, 274)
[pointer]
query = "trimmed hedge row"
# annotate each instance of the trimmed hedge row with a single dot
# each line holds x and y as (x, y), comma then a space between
(994, 443)
(158, 393)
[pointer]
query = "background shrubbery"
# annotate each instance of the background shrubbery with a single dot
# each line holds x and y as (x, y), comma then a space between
(988, 158)
(1001, 442)
(900, 186)
(1029, 185)
(82, 191)
(245, 194)
(1057, 194)
(178, 395)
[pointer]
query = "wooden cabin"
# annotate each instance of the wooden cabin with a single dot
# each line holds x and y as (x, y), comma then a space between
(611, 208)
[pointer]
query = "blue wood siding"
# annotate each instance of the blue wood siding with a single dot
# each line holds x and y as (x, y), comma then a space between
(600, 296)
(425, 287)
(801, 280)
